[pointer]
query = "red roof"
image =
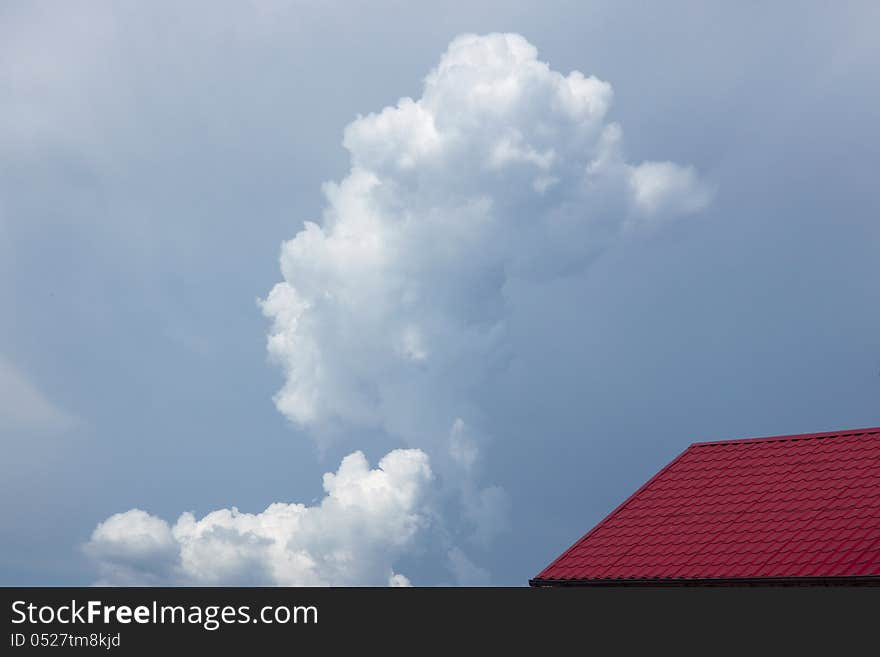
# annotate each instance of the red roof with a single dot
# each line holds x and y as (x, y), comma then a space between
(802, 507)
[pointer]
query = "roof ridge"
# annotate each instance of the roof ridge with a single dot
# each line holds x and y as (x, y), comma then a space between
(797, 436)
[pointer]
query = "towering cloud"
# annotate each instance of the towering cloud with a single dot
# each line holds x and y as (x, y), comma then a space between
(394, 312)
(393, 307)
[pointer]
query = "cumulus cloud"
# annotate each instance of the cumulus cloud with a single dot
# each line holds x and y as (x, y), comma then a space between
(354, 536)
(394, 308)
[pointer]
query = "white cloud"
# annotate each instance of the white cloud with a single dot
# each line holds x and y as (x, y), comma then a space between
(664, 186)
(133, 548)
(503, 170)
(393, 312)
(366, 521)
(399, 581)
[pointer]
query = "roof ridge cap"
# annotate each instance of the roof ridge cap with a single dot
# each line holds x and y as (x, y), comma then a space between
(792, 437)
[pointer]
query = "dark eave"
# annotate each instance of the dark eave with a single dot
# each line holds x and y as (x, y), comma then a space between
(872, 580)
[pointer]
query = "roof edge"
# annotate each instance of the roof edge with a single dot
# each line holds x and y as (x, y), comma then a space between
(796, 436)
(838, 580)
(611, 514)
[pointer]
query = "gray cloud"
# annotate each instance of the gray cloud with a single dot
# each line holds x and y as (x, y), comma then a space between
(25, 409)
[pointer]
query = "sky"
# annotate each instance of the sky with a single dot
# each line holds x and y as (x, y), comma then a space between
(413, 293)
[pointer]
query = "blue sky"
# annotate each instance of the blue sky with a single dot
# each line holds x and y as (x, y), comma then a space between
(154, 158)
